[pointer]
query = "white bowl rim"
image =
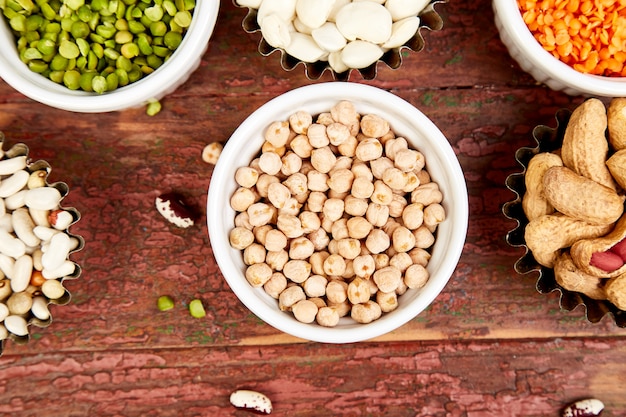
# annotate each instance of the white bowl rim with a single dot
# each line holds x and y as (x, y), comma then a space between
(282, 106)
(43, 90)
(513, 23)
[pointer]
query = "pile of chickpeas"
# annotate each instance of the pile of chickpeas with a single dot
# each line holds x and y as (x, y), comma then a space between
(336, 216)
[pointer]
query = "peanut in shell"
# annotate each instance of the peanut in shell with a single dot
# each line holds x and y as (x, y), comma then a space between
(534, 202)
(571, 278)
(617, 166)
(616, 119)
(616, 291)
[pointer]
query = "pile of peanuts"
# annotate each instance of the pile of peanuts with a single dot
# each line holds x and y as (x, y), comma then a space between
(34, 244)
(336, 216)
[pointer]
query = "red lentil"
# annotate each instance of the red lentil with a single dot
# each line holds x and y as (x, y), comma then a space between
(588, 35)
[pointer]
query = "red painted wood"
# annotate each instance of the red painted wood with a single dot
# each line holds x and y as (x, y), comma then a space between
(490, 345)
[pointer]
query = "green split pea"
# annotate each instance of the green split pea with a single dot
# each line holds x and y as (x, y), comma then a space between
(98, 45)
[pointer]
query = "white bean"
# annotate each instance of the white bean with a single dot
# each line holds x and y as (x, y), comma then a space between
(12, 165)
(15, 201)
(67, 267)
(23, 226)
(40, 308)
(11, 246)
(40, 217)
(6, 265)
(45, 233)
(4, 311)
(16, 325)
(43, 198)
(13, 184)
(57, 253)
(22, 270)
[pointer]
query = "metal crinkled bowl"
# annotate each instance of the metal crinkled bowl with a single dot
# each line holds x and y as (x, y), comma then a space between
(548, 139)
(429, 20)
(19, 150)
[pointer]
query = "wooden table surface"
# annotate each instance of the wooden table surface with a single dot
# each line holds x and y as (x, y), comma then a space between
(490, 344)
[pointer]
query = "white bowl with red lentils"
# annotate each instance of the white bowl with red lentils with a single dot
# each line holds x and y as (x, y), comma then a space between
(578, 47)
(337, 212)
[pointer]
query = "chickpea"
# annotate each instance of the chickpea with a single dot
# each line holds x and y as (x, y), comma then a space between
(278, 194)
(334, 265)
(341, 180)
(243, 220)
(377, 214)
(260, 233)
(397, 205)
(339, 196)
(387, 136)
(333, 247)
(402, 288)
(300, 146)
(433, 215)
(290, 296)
(296, 183)
(355, 206)
(362, 187)
(348, 147)
(258, 274)
(297, 270)
(344, 112)
(211, 152)
(379, 166)
(427, 194)
(381, 260)
(242, 198)
(377, 241)
(419, 256)
(317, 262)
(277, 134)
(290, 225)
(275, 285)
(327, 317)
(402, 239)
(358, 291)
(315, 286)
(246, 176)
(388, 301)
(264, 182)
(319, 238)
(401, 261)
(254, 164)
(260, 214)
(291, 206)
(343, 162)
(349, 249)
(268, 147)
(301, 248)
(348, 274)
(395, 145)
(395, 179)
(412, 182)
(366, 312)
(323, 159)
(317, 135)
(325, 119)
(358, 227)
(300, 121)
(369, 149)
(339, 229)
(333, 208)
(413, 215)
(291, 163)
(423, 237)
(382, 193)
(270, 163)
(336, 291)
(310, 221)
(409, 160)
(374, 126)
(390, 226)
(423, 176)
(277, 259)
(275, 240)
(318, 301)
(364, 266)
(254, 254)
(337, 133)
(343, 308)
(416, 276)
(387, 279)
(316, 200)
(327, 223)
(317, 181)
(304, 311)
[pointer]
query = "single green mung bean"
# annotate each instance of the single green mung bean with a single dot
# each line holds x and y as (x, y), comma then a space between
(196, 309)
(165, 302)
(97, 45)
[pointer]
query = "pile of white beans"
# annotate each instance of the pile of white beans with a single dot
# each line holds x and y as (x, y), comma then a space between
(34, 244)
(347, 34)
(336, 216)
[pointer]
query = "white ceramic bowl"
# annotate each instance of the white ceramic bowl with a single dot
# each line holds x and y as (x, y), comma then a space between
(405, 120)
(174, 72)
(542, 65)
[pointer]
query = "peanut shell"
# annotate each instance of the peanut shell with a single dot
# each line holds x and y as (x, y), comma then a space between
(534, 202)
(570, 277)
(582, 250)
(616, 291)
(617, 166)
(616, 115)
(548, 234)
(580, 197)
(585, 147)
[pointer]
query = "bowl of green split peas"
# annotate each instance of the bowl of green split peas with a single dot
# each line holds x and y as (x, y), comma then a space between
(94, 56)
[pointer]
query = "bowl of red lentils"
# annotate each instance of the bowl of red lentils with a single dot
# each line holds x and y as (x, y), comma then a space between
(337, 212)
(102, 55)
(578, 47)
